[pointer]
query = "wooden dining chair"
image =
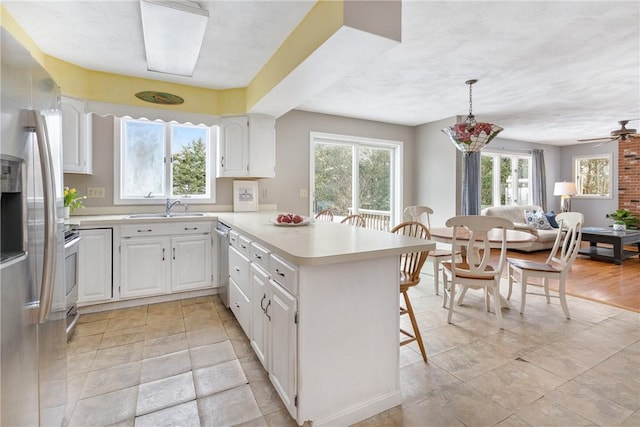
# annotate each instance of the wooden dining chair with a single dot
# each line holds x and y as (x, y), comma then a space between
(325, 215)
(416, 213)
(410, 266)
(354, 219)
(474, 271)
(557, 265)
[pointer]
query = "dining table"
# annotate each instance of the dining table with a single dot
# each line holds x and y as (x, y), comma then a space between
(515, 238)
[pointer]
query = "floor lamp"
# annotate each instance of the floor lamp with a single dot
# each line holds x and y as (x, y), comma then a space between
(565, 190)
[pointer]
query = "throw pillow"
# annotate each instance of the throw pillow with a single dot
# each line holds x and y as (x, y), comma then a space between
(551, 217)
(537, 219)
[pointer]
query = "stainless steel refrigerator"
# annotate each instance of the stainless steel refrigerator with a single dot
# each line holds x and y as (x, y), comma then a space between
(33, 368)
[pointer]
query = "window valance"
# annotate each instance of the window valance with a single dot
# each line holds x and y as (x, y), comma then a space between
(119, 110)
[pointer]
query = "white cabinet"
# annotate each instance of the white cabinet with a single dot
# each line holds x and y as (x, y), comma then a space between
(267, 284)
(144, 266)
(233, 147)
(95, 268)
(260, 295)
(283, 356)
(247, 147)
(239, 287)
(190, 262)
(76, 136)
(159, 259)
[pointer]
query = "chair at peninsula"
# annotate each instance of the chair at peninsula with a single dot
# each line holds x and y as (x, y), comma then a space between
(410, 265)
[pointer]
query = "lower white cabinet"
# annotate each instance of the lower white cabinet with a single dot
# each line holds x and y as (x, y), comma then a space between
(144, 266)
(154, 260)
(240, 305)
(283, 341)
(260, 326)
(95, 271)
(190, 262)
(273, 330)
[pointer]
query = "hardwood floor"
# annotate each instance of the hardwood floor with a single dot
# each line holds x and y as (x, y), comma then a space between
(617, 285)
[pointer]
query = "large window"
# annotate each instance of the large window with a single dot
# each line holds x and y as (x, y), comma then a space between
(356, 175)
(157, 160)
(505, 179)
(593, 176)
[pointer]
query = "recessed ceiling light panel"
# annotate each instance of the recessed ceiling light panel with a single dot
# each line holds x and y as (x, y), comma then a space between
(173, 34)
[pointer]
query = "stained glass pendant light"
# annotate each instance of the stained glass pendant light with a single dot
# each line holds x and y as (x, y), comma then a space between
(471, 136)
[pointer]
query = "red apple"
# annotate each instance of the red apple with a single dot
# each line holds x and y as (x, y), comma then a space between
(287, 218)
(297, 219)
(279, 218)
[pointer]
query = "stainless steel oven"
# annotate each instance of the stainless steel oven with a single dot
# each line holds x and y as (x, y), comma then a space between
(71, 263)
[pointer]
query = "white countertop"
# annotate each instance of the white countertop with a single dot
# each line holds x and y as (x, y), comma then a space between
(322, 242)
(319, 243)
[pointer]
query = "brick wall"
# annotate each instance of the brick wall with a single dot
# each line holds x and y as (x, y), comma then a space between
(629, 175)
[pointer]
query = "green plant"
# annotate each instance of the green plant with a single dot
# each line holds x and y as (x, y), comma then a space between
(624, 216)
(72, 199)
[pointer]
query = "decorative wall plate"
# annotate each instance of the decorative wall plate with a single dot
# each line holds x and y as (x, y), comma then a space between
(159, 97)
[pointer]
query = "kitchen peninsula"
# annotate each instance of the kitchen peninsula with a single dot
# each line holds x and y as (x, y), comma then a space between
(345, 363)
(319, 304)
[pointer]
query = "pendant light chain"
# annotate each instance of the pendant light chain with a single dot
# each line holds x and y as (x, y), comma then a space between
(470, 99)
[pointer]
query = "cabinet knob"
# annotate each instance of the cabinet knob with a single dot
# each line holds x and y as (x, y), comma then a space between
(145, 231)
(257, 256)
(279, 273)
(237, 305)
(236, 269)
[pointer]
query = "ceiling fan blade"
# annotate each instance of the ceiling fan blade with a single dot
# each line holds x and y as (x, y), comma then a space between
(604, 138)
(604, 142)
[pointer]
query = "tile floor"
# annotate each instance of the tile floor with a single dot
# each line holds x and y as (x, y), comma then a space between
(188, 363)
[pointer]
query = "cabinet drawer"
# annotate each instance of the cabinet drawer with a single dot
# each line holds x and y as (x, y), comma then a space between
(155, 229)
(240, 242)
(239, 269)
(240, 306)
(283, 273)
(260, 256)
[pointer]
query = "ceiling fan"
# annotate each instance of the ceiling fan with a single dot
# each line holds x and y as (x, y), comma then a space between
(621, 134)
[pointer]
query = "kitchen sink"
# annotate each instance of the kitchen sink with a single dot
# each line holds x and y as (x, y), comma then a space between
(172, 215)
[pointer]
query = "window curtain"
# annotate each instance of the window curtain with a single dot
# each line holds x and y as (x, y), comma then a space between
(471, 188)
(166, 115)
(539, 184)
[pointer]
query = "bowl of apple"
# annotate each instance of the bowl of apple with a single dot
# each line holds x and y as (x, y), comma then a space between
(290, 220)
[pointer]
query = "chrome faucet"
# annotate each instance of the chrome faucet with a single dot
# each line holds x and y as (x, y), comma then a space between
(171, 204)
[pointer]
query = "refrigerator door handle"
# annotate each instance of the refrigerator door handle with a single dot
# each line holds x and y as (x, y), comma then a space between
(50, 241)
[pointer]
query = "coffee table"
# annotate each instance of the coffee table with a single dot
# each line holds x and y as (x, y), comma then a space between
(618, 239)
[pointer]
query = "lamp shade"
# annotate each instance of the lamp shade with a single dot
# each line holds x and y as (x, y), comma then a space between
(564, 189)
(471, 136)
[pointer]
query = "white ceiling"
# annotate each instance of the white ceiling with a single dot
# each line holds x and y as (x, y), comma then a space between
(549, 72)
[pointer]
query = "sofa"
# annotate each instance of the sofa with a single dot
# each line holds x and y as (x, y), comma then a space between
(544, 231)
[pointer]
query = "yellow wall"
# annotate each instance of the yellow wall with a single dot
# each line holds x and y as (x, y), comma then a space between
(119, 89)
(324, 19)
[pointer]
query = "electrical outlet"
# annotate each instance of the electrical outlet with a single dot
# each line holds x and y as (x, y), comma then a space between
(304, 193)
(95, 192)
(265, 194)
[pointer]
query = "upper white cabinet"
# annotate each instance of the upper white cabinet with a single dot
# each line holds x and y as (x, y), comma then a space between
(247, 147)
(76, 136)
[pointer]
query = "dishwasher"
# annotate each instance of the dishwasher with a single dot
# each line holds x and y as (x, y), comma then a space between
(222, 230)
